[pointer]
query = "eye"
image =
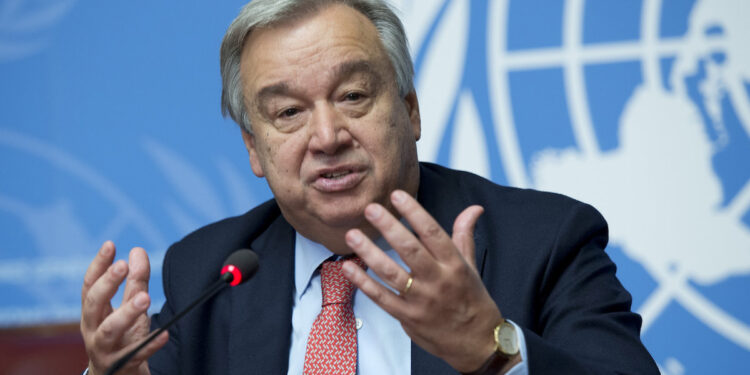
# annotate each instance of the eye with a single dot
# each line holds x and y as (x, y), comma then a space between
(289, 112)
(353, 96)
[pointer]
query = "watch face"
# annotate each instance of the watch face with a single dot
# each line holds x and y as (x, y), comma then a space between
(507, 340)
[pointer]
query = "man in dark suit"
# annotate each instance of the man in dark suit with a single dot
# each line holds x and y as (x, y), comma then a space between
(323, 92)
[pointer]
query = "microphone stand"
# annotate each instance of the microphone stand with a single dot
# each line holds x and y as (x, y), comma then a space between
(218, 285)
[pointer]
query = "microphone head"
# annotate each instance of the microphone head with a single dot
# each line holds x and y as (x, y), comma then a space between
(242, 264)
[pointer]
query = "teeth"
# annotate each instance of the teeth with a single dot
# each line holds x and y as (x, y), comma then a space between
(335, 174)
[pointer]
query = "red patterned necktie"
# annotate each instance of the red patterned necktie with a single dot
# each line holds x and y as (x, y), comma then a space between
(332, 344)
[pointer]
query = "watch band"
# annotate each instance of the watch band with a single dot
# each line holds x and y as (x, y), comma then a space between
(492, 365)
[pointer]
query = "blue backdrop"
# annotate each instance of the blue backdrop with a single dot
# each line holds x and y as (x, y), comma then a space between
(110, 128)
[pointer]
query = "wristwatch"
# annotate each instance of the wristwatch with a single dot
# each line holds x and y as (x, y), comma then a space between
(506, 346)
(506, 339)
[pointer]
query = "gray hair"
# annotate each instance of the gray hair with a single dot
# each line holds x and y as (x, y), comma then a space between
(266, 13)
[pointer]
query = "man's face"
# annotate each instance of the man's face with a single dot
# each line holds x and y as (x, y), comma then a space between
(331, 133)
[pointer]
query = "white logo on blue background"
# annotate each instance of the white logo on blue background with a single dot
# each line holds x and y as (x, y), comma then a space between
(50, 240)
(641, 109)
(25, 25)
(85, 155)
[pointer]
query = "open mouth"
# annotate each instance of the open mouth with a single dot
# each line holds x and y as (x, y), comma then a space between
(338, 179)
(336, 175)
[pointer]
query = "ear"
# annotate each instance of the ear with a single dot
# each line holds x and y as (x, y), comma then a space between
(412, 106)
(252, 152)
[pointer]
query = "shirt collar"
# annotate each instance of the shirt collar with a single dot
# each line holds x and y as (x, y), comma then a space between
(308, 255)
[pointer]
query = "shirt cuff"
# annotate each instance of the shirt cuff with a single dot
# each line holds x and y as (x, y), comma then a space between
(521, 368)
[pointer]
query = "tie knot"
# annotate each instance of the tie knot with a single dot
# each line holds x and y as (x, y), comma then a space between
(336, 288)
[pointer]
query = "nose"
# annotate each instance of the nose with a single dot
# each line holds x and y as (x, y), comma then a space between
(330, 131)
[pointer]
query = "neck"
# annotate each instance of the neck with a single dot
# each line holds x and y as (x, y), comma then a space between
(334, 238)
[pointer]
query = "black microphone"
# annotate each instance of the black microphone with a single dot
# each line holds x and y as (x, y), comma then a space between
(239, 267)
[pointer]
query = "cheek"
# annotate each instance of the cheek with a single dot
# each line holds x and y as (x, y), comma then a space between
(390, 143)
(400, 134)
(283, 154)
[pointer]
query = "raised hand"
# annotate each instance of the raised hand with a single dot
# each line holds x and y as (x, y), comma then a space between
(109, 333)
(442, 305)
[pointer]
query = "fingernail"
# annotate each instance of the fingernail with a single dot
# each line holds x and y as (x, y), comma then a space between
(354, 238)
(373, 211)
(398, 196)
(140, 301)
(119, 268)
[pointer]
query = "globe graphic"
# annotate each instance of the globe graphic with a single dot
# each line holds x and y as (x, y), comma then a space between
(52, 243)
(641, 110)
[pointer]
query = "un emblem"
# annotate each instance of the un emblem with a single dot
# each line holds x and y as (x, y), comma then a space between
(56, 229)
(641, 109)
(25, 25)
(51, 240)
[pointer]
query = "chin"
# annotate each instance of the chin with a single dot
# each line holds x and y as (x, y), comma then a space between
(342, 218)
(342, 212)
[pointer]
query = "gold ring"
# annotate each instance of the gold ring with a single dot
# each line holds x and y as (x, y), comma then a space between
(408, 285)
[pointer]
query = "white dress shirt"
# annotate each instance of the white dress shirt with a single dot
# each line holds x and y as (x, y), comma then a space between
(383, 346)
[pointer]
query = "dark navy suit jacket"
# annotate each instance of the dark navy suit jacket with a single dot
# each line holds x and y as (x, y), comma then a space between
(540, 255)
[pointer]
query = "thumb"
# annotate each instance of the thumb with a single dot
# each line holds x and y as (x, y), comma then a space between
(463, 232)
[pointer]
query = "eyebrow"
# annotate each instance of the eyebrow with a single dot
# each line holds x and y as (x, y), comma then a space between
(341, 72)
(349, 68)
(276, 89)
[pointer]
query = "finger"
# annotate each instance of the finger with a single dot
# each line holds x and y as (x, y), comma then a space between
(427, 228)
(151, 348)
(96, 305)
(138, 358)
(386, 268)
(98, 266)
(140, 271)
(382, 296)
(110, 331)
(463, 233)
(403, 241)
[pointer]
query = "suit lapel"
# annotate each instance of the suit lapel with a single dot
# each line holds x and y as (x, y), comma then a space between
(441, 195)
(262, 309)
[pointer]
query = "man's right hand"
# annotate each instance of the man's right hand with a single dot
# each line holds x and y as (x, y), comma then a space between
(109, 333)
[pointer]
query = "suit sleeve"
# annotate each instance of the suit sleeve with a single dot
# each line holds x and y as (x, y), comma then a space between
(585, 325)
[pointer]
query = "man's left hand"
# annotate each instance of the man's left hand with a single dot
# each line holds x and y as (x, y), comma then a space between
(446, 310)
